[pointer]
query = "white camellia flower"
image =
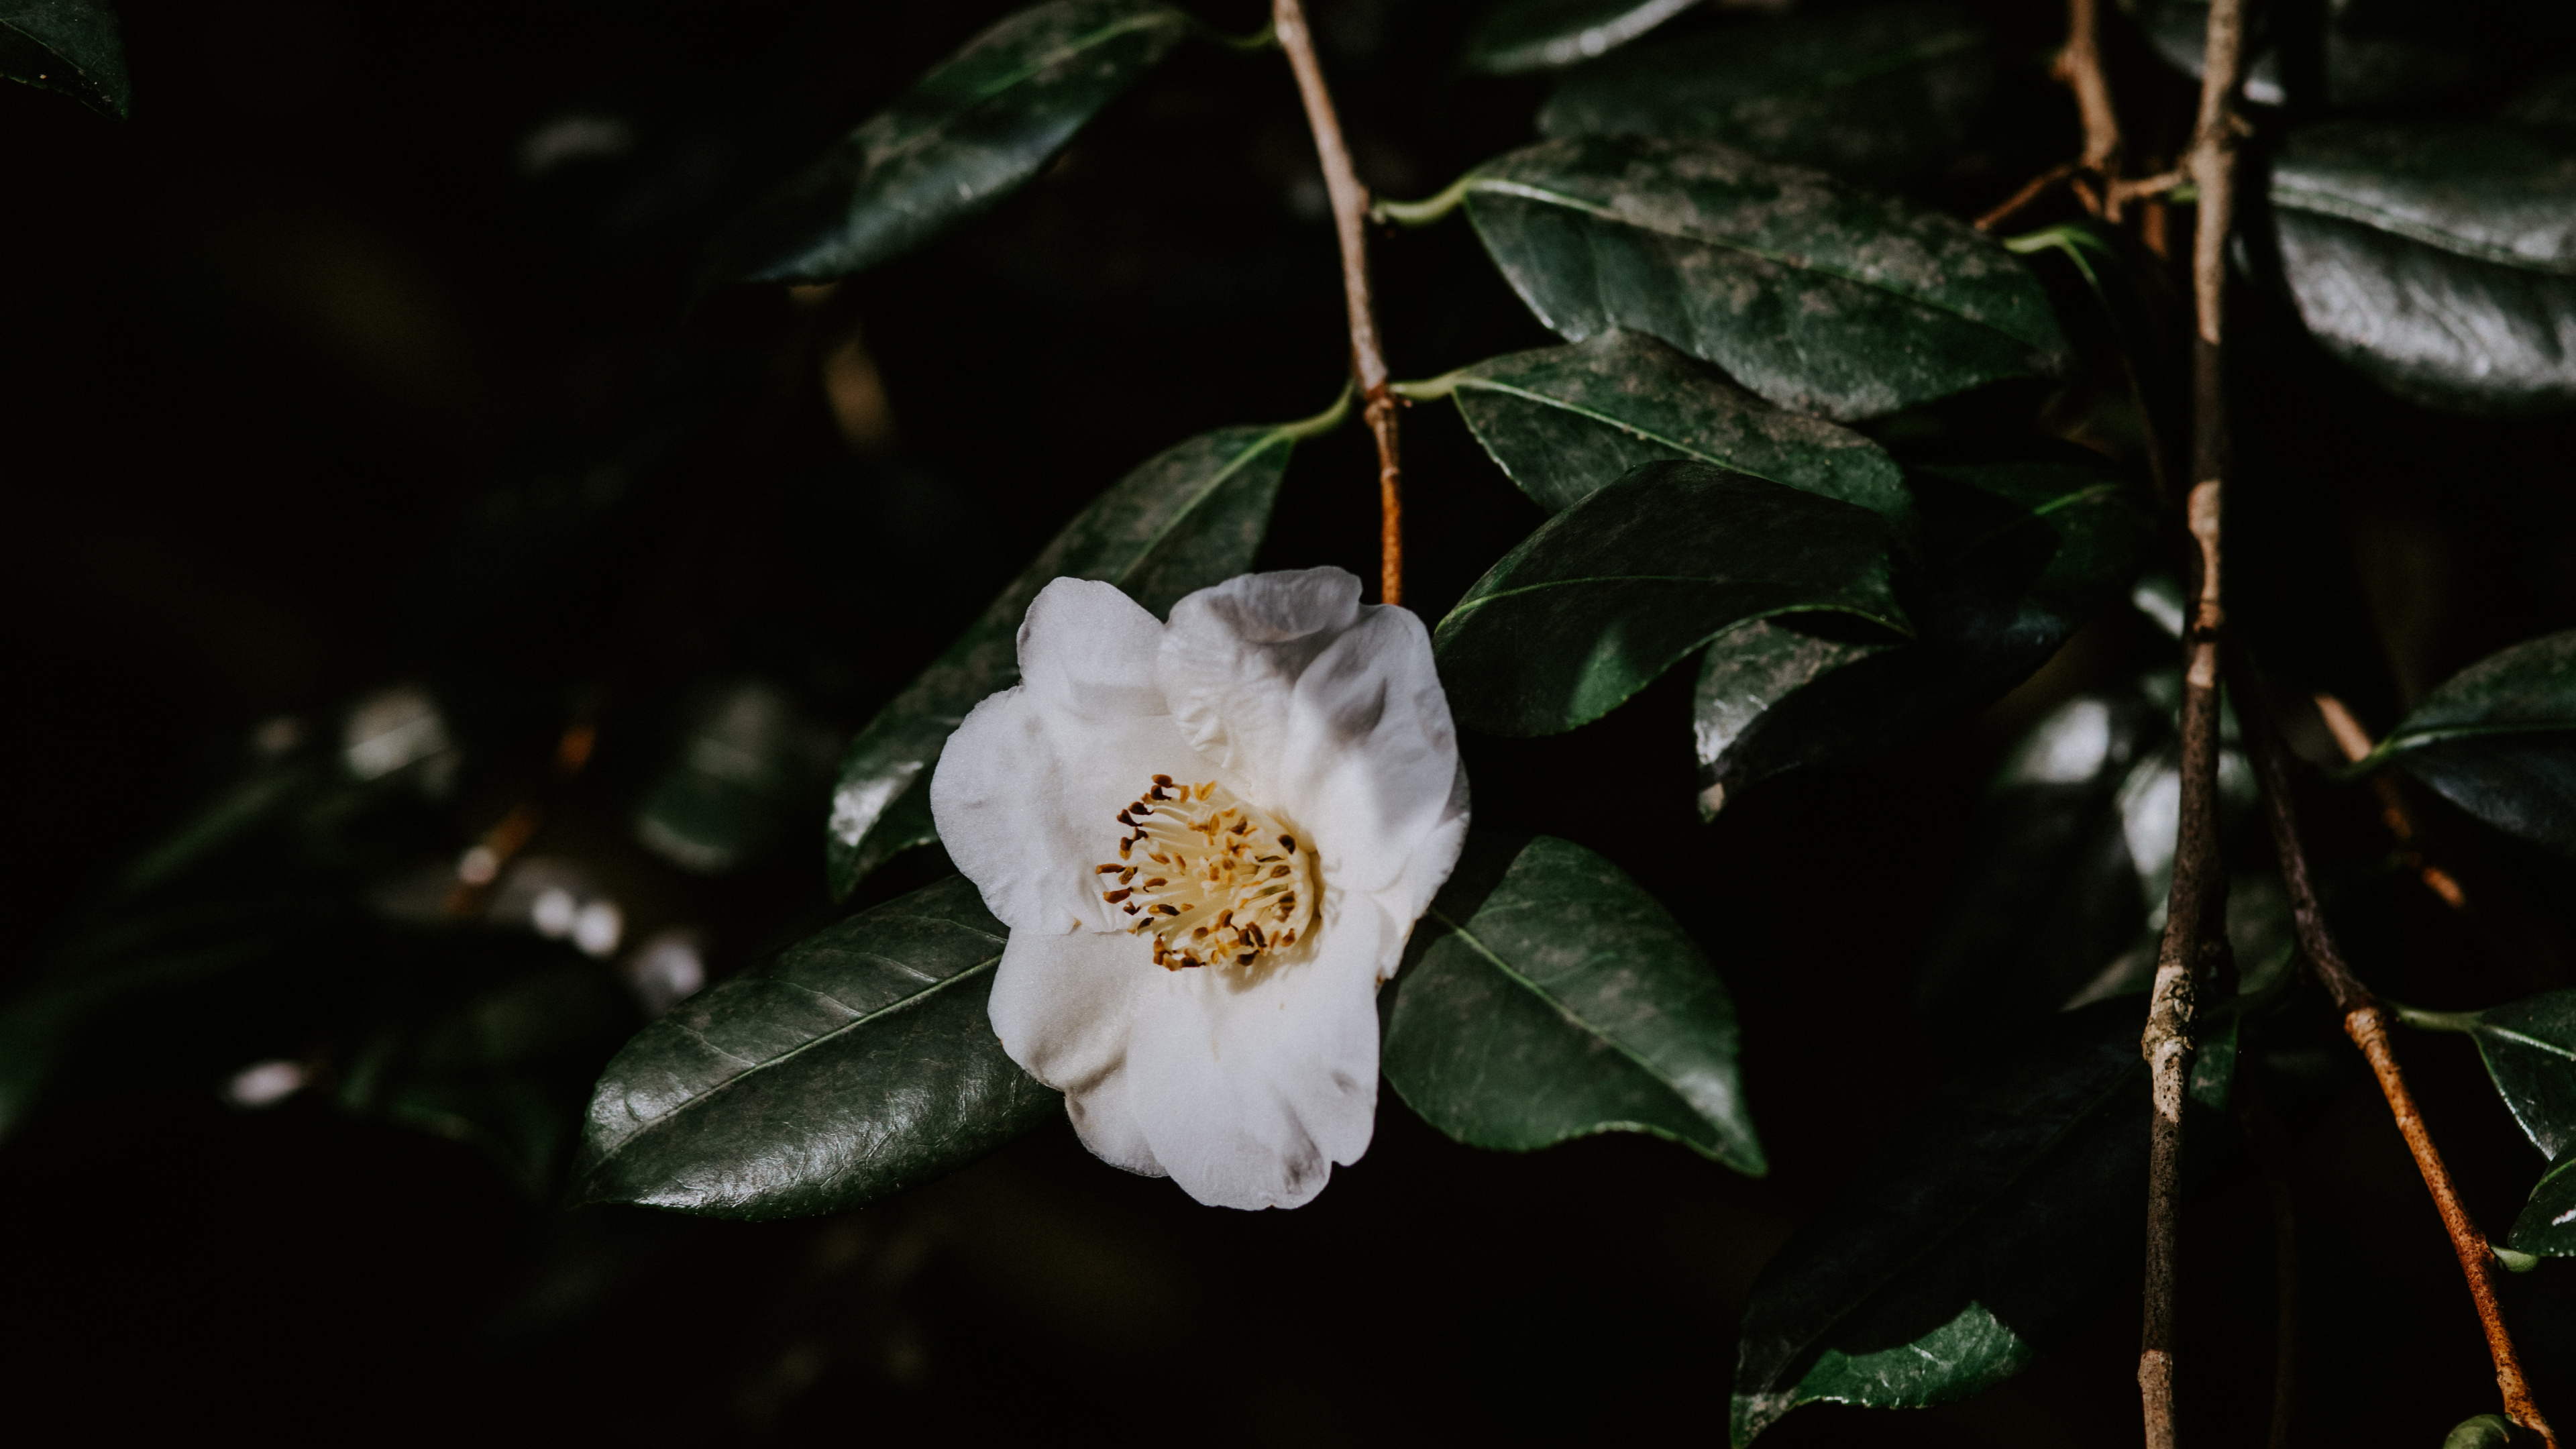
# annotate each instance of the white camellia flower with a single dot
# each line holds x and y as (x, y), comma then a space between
(1210, 840)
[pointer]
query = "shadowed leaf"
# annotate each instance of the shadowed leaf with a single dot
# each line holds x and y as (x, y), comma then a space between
(1524, 35)
(859, 1063)
(71, 46)
(1808, 291)
(1560, 1001)
(966, 135)
(1610, 593)
(2499, 740)
(2547, 1226)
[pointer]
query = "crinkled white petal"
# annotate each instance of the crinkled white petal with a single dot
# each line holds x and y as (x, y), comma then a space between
(1063, 1006)
(1370, 761)
(1250, 1086)
(1028, 789)
(1231, 658)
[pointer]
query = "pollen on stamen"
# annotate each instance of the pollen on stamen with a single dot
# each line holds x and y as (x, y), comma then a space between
(1223, 894)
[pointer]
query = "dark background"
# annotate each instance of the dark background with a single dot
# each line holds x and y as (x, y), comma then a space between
(318, 376)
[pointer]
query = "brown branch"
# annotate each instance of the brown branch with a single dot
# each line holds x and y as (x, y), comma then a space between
(2032, 190)
(2195, 911)
(2364, 1022)
(1350, 217)
(2080, 66)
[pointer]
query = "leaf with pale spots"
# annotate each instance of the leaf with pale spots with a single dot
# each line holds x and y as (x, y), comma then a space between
(1191, 517)
(1811, 292)
(1610, 593)
(1984, 1220)
(859, 1063)
(1546, 997)
(1562, 422)
(963, 137)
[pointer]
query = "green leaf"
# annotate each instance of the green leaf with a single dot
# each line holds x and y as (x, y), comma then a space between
(2486, 1431)
(1897, 94)
(1946, 1263)
(2499, 740)
(1525, 35)
(1547, 997)
(1563, 421)
(1191, 517)
(69, 46)
(2547, 1226)
(857, 1064)
(1810, 292)
(2376, 55)
(2436, 258)
(1615, 590)
(2529, 1047)
(969, 133)
(2009, 560)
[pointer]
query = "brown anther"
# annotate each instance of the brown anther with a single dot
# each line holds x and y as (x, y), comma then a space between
(1162, 779)
(1155, 882)
(1278, 871)
(1169, 910)
(1289, 841)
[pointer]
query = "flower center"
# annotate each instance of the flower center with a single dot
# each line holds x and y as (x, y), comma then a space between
(1213, 880)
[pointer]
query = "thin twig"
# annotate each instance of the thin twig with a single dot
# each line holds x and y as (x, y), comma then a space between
(1350, 221)
(2037, 187)
(2195, 911)
(2080, 65)
(2365, 1022)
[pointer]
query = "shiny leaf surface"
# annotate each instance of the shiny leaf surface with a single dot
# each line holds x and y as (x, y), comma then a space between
(1983, 1220)
(71, 46)
(1808, 291)
(1191, 517)
(1615, 590)
(2437, 258)
(967, 134)
(1525, 35)
(857, 1064)
(1561, 1000)
(2530, 1050)
(1564, 421)
(2499, 739)
(2547, 1225)
(1892, 94)
(2010, 560)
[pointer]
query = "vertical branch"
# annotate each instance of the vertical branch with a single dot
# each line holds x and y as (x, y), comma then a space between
(2195, 912)
(2082, 68)
(1350, 217)
(2364, 1022)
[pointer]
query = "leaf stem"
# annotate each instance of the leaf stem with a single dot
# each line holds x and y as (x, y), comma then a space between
(1323, 422)
(2365, 1021)
(2195, 937)
(1350, 217)
(1425, 211)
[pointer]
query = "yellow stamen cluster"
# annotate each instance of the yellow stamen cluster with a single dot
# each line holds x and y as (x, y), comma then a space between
(1221, 881)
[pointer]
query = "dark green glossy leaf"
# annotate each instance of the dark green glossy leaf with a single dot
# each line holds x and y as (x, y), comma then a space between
(2530, 1050)
(1810, 292)
(2437, 258)
(859, 1063)
(2486, 1431)
(1897, 94)
(2010, 559)
(1615, 590)
(2499, 740)
(1560, 1001)
(743, 776)
(1191, 517)
(1524, 35)
(2547, 1226)
(1563, 421)
(71, 46)
(1948, 1261)
(967, 134)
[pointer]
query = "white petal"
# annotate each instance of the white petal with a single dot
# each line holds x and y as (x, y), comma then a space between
(1062, 1006)
(1249, 1088)
(1370, 762)
(1029, 787)
(1232, 656)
